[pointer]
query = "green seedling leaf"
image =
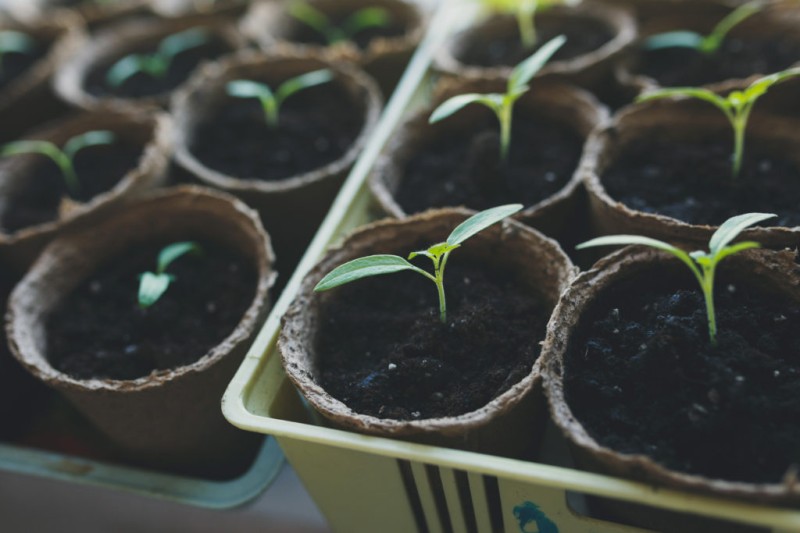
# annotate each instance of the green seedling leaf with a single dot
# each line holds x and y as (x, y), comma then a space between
(156, 64)
(376, 265)
(369, 17)
(736, 106)
(271, 102)
(153, 285)
(481, 221)
(358, 21)
(310, 16)
(707, 44)
(64, 158)
(702, 264)
(503, 104)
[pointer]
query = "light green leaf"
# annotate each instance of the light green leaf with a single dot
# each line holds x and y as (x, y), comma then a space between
(85, 140)
(174, 251)
(686, 92)
(714, 40)
(364, 267)
(303, 81)
(248, 89)
(29, 147)
(761, 85)
(180, 42)
(731, 229)
(525, 71)
(14, 41)
(125, 68)
(456, 103)
(152, 287)
(625, 240)
(735, 249)
(369, 17)
(310, 16)
(674, 39)
(480, 221)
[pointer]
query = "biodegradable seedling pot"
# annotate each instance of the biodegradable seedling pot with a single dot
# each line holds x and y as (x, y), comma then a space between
(34, 202)
(540, 271)
(169, 416)
(662, 160)
(26, 98)
(81, 80)
(292, 177)
(448, 163)
(596, 33)
(630, 336)
(93, 13)
(767, 42)
(232, 9)
(381, 52)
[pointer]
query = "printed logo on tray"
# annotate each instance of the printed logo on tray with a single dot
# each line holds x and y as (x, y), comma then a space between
(532, 520)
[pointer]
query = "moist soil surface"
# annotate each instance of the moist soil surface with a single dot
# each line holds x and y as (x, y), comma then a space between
(317, 126)
(583, 36)
(143, 85)
(302, 33)
(384, 352)
(642, 377)
(99, 169)
(692, 181)
(16, 64)
(464, 167)
(100, 331)
(737, 58)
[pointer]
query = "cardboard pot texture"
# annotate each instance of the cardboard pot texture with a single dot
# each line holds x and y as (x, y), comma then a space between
(292, 208)
(495, 427)
(29, 100)
(590, 70)
(271, 26)
(171, 417)
(702, 17)
(678, 120)
(767, 269)
(560, 102)
(150, 131)
(122, 39)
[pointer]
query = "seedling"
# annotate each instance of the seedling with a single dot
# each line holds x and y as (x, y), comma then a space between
(375, 265)
(14, 42)
(737, 106)
(156, 64)
(702, 264)
(271, 101)
(152, 285)
(503, 104)
(63, 157)
(525, 12)
(706, 44)
(358, 21)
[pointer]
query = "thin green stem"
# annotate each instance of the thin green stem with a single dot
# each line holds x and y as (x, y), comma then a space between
(440, 266)
(70, 176)
(708, 293)
(740, 120)
(505, 116)
(527, 27)
(271, 111)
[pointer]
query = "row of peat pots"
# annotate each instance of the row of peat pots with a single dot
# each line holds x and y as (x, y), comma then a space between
(108, 314)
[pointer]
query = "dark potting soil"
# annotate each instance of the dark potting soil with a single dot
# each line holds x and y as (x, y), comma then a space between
(317, 126)
(464, 167)
(302, 33)
(142, 85)
(583, 36)
(16, 64)
(692, 181)
(99, 331)
(642, 377)
(737, 58)
(384, 352)
(99, 169)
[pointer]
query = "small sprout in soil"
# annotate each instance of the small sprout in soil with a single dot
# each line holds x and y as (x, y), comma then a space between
(271, 101)
(14, 42)
(375, 265)
(706, 44)
(737, 106)
(152, 285)
(503, 104)
(156, 64)
(63, 157)
(525, 12)
(360, 20)
(718, 247)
